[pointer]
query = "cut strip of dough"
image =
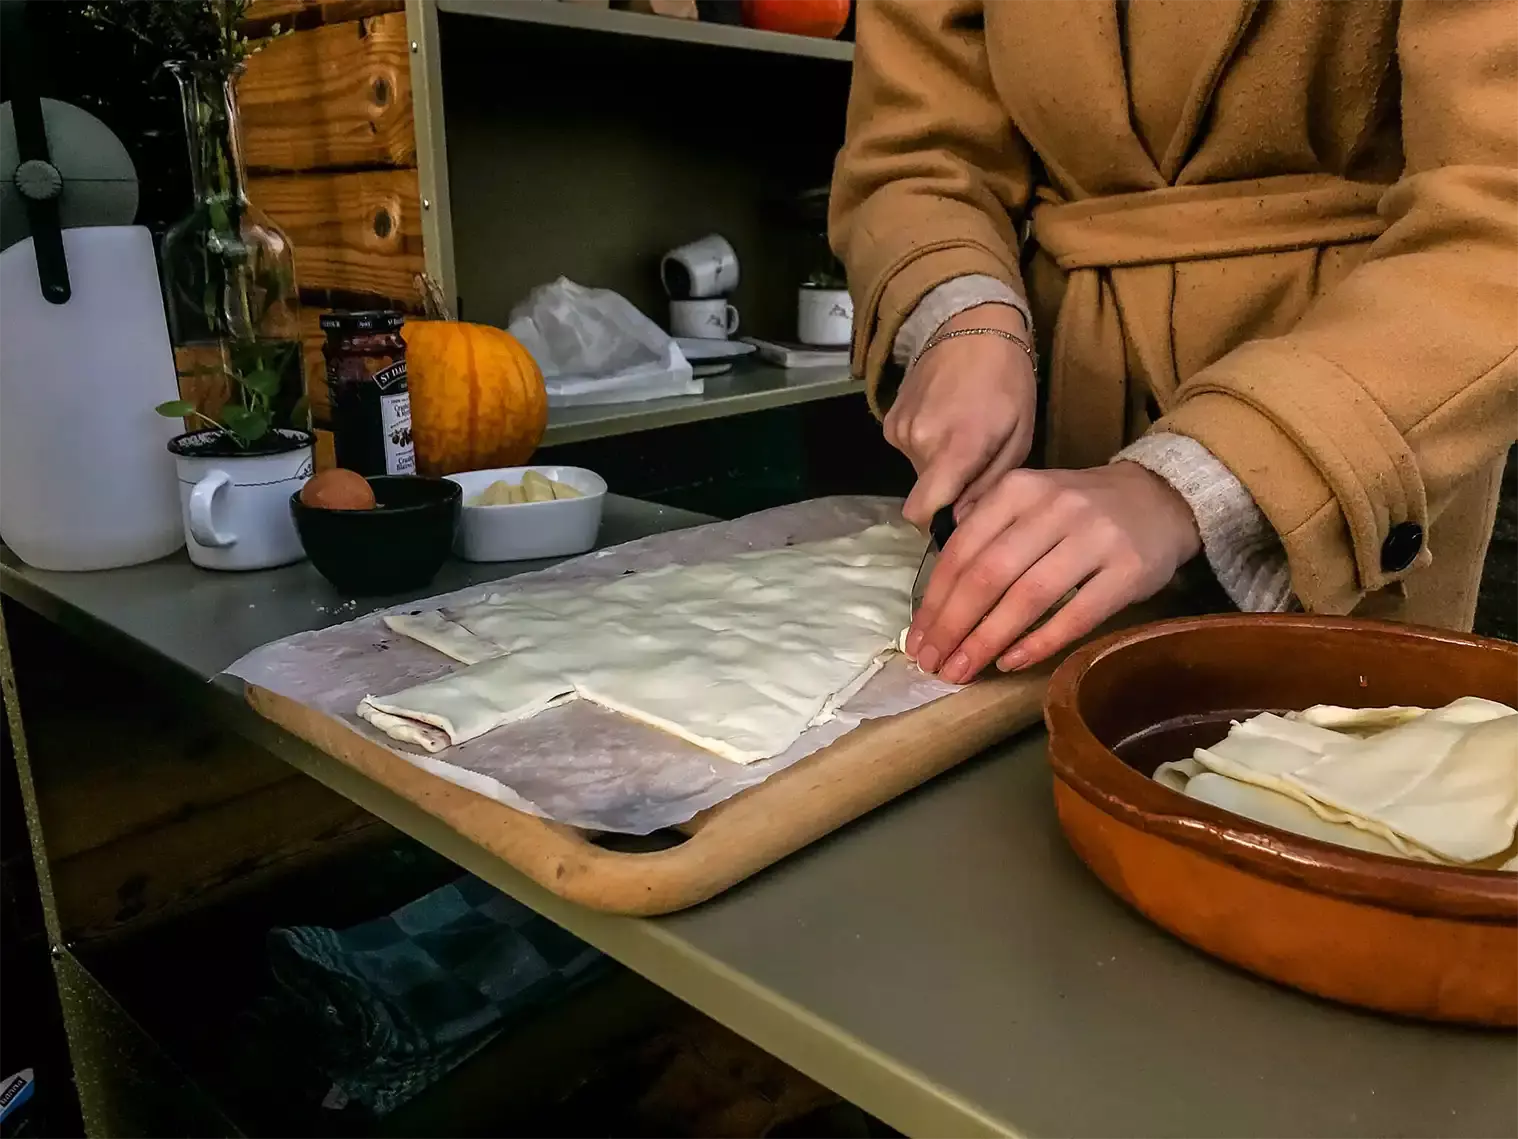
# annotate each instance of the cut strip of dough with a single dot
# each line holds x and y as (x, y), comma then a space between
(437, 632)
(466, 704)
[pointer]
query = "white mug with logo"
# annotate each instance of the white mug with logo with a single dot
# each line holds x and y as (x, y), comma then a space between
(711, 318)
(824, 317)
(236, 507)
(704, 268)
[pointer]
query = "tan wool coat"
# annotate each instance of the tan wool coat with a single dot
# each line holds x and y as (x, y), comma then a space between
(1287, 227)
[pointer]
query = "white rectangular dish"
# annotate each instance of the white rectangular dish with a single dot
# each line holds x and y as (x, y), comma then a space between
(525, 531)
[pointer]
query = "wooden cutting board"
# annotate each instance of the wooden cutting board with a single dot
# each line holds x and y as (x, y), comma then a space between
(722, 845)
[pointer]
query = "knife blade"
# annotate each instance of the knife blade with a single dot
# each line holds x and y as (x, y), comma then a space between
(939, 532)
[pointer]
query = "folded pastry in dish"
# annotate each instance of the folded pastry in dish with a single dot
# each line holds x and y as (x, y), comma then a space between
(1438, 786)
(738, 656)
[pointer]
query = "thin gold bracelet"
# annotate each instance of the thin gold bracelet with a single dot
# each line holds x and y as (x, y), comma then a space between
(939, 337)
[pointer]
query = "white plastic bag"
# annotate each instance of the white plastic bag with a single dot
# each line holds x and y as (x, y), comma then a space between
(595, 347)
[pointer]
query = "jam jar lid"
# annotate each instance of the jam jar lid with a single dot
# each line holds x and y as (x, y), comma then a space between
(363, 320)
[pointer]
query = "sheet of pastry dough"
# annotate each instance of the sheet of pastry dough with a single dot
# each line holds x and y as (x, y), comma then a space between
(1282, 811)
(1357, 721)
(739, 656)
(1254, 800)
(1266, 798)
(1466, 710)
(1444, 782)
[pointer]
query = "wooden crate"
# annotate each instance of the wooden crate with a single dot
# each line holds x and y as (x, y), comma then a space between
(330, 144)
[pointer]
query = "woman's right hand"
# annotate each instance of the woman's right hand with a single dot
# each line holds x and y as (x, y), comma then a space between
(964, 413)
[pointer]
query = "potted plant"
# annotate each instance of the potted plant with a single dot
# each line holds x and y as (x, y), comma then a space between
(228, 270)
(824, 309)
(246, 426)
(230, 295)
(828, 277)
(236, 475)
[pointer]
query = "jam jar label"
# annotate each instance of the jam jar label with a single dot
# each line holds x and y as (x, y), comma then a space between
(395, 419)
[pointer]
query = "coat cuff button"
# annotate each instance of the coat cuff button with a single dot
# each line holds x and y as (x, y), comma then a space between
(1403, 543)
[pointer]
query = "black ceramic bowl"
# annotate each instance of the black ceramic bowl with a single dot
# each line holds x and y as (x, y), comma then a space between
(398, 546)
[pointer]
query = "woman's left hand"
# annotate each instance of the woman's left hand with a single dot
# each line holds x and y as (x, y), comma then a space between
(1118, 532)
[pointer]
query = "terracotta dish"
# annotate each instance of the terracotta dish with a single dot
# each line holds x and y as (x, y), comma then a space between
(1403, 937)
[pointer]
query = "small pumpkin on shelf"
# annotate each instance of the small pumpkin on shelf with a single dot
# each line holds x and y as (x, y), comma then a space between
(824, 19)
(477, 396)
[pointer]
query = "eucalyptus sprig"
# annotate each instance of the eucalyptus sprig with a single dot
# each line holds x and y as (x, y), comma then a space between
(198, 31)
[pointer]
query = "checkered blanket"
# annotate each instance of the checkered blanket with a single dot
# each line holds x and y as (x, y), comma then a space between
(390, 1006)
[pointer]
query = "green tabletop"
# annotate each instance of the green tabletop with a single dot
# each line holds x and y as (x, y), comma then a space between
(946, 963)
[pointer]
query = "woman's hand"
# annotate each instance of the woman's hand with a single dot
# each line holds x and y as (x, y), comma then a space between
(964, 413)
(1118, 532)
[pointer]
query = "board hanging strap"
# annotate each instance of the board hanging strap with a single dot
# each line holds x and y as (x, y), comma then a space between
(37, 179)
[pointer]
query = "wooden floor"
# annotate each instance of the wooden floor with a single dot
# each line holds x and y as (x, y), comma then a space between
(1497, 613)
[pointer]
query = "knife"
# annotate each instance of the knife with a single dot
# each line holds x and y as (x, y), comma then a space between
(939, 532)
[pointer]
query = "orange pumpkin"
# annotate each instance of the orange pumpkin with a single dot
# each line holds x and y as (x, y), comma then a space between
(821, 18)
(477, 397)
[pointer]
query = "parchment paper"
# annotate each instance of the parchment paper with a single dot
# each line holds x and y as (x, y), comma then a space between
(580, 764)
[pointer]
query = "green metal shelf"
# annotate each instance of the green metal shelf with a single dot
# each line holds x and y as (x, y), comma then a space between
(558, 13)
(749, 387)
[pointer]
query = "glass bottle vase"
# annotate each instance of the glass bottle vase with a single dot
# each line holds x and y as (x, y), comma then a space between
(229, 278)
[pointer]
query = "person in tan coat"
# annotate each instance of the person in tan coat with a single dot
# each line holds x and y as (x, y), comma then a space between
(1268, 252)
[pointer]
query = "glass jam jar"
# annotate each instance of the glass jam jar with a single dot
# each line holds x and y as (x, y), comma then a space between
(366, 387)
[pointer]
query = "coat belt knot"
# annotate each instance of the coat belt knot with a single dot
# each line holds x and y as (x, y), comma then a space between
(1120, 254)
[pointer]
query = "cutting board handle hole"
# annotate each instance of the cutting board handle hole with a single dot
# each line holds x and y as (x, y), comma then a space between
(666, 839)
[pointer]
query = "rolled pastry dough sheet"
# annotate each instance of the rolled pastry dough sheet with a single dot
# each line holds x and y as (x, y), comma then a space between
(1442, 783)
(738, 656)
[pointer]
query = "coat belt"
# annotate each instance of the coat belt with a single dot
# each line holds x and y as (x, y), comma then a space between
(1120, 254)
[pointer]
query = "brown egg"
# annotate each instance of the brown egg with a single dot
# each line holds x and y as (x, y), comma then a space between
(338, 489)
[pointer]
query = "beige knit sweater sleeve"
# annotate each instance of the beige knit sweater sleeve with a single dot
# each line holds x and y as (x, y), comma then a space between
(1245, 554)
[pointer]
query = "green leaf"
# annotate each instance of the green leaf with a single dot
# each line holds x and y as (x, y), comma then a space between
(175, 409)
(264, 382)
(246, 424)
(300, 414)
(219, 219)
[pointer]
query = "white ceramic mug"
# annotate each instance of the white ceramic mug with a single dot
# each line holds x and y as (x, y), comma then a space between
(705, 268)
(236, 508)
(824, 317)
(708, 319)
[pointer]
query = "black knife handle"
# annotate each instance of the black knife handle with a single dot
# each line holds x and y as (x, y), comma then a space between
(942, 526)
